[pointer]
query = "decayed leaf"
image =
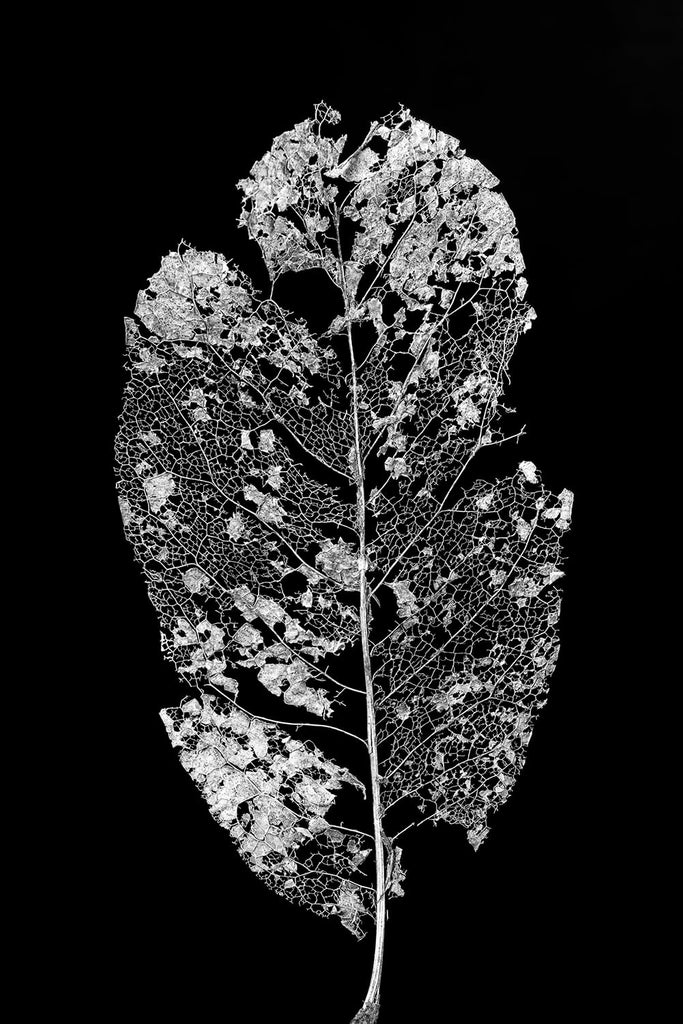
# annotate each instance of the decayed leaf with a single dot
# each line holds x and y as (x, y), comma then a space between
(279, 486)
(272, 793)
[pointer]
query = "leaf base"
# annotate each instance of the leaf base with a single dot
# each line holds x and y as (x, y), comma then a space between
(367, 1014)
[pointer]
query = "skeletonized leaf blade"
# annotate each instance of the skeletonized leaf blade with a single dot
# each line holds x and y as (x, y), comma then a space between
(273, 794)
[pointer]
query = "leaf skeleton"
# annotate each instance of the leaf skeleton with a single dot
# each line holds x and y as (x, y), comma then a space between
(299, 502)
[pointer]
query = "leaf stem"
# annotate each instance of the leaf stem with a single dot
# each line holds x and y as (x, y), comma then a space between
(371, 1001)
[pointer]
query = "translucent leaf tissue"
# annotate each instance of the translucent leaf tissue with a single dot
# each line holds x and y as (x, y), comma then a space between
(303, 502)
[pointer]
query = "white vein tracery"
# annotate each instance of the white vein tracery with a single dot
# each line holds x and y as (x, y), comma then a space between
(272, 481)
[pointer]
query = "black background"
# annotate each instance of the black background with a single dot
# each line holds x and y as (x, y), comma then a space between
(574, 114)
